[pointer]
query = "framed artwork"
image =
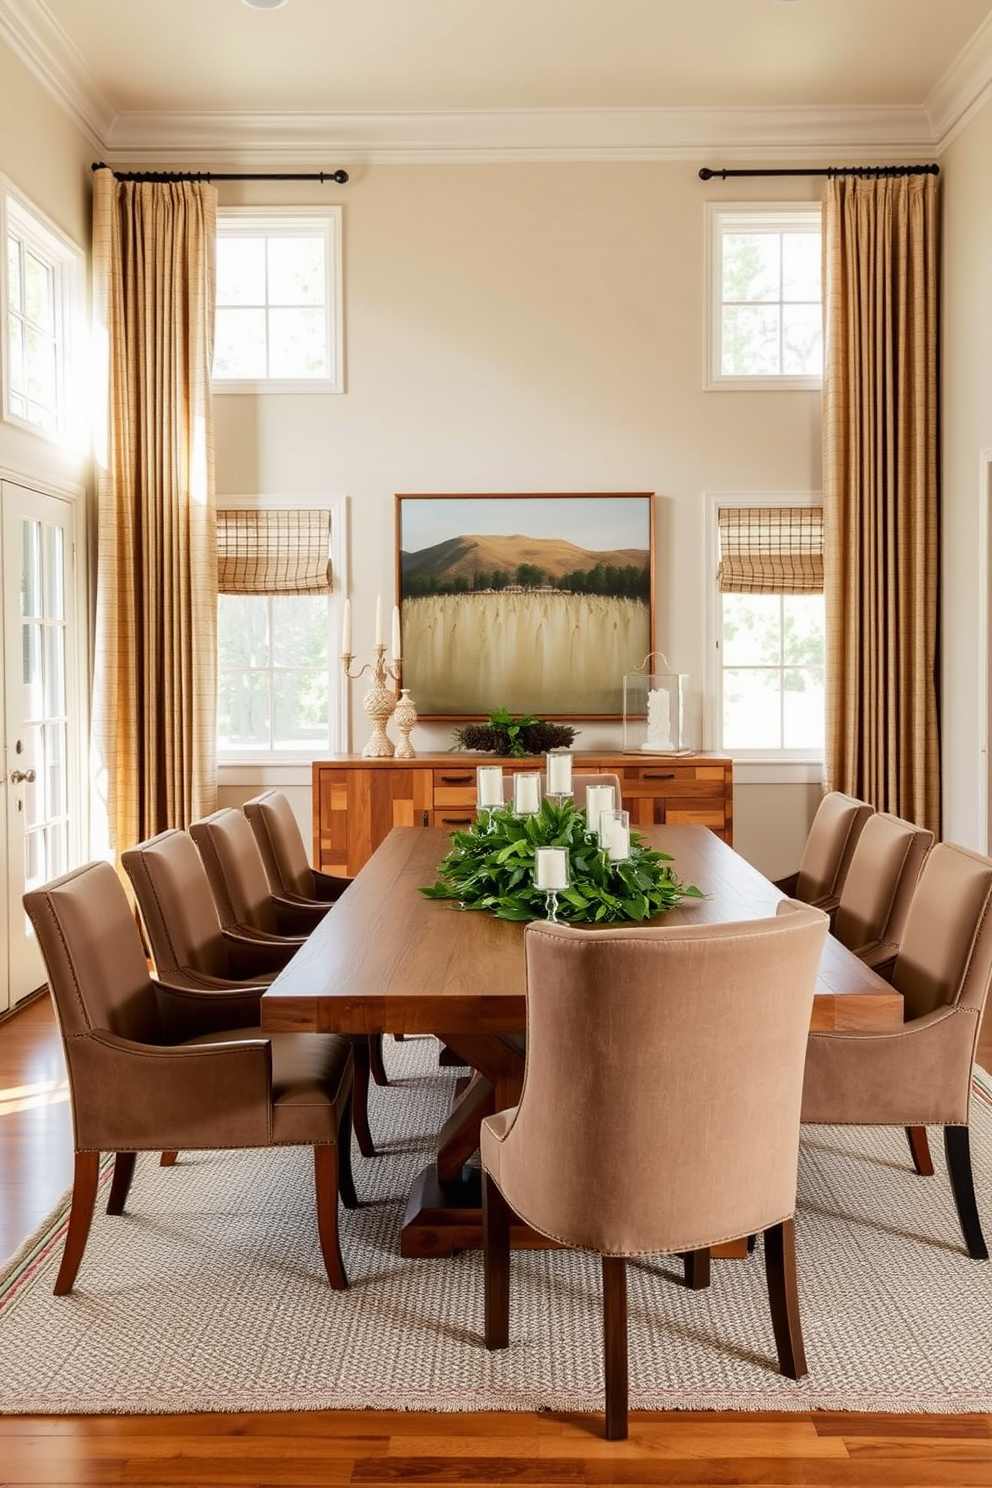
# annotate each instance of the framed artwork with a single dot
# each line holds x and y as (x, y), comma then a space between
(535, 603)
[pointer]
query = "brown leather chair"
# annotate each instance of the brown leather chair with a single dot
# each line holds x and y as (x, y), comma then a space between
(919, 1075)
(826, 857)
(878, 888)
(284, 855)
(660, 1109)
(151, 1067)
(245, 906)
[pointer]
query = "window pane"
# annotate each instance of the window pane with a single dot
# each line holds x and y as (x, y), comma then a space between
(15, 355)
(14, 272)
(803, 639)
(802, 339)
(41, 371)
(240, 271)
(297, 343)
(243, 710)
(39, 297)
(299, 630)
(301, 709)
(751, 709)
(801, 266)
(752, 629)
(242, 630)
(296, 271)
(239, 344)
(750, 341)
(803, 709)
(750, 266)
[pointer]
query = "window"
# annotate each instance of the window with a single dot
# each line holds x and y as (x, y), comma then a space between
(770, 630)
(765, 300)
(278, 301)
(280, 688)
(42, 297)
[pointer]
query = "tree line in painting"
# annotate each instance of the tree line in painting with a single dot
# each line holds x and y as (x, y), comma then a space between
(627, 582)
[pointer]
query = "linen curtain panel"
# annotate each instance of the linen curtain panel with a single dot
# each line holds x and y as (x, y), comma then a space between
(880, 492)
(155, 693)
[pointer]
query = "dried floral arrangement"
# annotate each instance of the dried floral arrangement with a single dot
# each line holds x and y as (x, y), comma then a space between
(502, 733)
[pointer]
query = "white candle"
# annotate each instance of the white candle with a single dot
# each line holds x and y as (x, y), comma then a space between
(489, 786)
(659, 731)
(559, 764)
(526, 793)
(397, 653)
(378, 619)
(599, 798)
(615, 837)
(346, 630)
(551, 868)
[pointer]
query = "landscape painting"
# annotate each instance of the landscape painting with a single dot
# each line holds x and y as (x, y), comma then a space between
(534, 603)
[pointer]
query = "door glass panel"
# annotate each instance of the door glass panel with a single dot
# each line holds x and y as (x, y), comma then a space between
(54, 573)
(54, 672)
(31, 569)
(33, 693)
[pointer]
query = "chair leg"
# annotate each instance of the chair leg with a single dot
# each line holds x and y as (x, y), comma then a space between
(783, 1298)
(85, 1177)
(615, 1345)
(360, 1097)
(957, 1145)
(325, 1172)
(346, 1181)
(697, 1269)
(496, 1216)
(375, 1059)
(919, 1150)
(121, 1181)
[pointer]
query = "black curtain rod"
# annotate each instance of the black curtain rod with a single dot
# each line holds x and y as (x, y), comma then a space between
(340, 176)
(870, 172)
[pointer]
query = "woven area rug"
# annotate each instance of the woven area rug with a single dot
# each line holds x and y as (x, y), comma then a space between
(209, 1294)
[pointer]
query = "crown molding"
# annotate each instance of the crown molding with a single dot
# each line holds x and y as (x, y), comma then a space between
(33, 35)
(964, 88)
(441, 137)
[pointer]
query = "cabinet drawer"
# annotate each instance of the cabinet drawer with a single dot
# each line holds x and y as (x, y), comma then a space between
(454, 787)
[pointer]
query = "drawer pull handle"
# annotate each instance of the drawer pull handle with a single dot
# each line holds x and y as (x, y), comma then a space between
(456, 779)
(456, 821)
(648, 776)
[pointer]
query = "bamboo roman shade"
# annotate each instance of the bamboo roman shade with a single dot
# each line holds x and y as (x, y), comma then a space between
(771, 550)
(274, 552)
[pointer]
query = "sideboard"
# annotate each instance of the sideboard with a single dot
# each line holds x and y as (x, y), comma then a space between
(357, 801)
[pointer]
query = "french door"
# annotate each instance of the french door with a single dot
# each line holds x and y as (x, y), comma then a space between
(42, 791)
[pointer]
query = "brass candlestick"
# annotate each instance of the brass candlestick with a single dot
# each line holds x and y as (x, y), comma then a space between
(379, 701)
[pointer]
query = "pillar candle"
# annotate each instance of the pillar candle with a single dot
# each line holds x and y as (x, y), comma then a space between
(599, 798)
(526, 793)
(559, 764)
(489, 786)
(616, 835)
(551, 868)
(346, 630)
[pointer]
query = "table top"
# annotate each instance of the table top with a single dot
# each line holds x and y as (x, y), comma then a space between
(387, 960)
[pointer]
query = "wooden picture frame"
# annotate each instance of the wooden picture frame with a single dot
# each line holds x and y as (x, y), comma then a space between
(537, 603)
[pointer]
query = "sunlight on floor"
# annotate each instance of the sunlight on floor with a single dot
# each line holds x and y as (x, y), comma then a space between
(27, 1097)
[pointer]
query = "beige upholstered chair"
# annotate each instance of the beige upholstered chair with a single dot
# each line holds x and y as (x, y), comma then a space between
(151, 1067)
(875, 898)
(660, 1109)
(827, 854)
(284, 854)
(919, 1075)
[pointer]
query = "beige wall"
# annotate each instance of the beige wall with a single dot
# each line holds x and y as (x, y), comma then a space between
(532, 328)
(966, 445)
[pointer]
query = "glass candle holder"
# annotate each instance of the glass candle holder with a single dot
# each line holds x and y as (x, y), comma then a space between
(558, 763)
(599, 798)
(614, 835)
(551, 874)
(526, 793)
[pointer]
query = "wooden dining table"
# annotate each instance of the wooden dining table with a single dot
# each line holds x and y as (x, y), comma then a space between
(388, 960)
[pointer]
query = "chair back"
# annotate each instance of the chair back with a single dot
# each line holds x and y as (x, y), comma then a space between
(879, 886)
(280, 843)
(235, 870)
(664, 1069)
(176, 905)
(826, 858)
(94, 959)
(945, 958)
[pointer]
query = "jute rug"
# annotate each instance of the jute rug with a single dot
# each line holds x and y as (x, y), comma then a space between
(209, 1294)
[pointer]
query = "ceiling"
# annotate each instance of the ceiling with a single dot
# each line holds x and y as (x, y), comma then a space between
(508, 79)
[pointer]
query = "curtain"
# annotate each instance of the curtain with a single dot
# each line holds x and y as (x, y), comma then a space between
(154, 716)
(880, 492)
(270, 551)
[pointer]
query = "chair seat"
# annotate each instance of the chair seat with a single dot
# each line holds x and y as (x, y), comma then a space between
(311, 1081)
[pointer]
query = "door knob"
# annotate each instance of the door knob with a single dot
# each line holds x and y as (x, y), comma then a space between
(17, 776)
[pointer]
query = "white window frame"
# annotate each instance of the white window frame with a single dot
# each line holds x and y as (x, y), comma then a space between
(65, 259)
(338, 690)
(294, 222)
(808, 762)
(766, 216)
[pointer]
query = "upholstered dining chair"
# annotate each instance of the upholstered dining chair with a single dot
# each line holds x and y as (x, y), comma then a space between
(284, 855)
(919, 1075)
(197, 1078)
(828, 850)
(879, 885)
(660, 1109)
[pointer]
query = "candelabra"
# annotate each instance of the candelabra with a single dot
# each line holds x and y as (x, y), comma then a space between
(379, 701)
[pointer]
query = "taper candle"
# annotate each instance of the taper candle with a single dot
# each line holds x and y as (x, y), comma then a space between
(346, 630)
(378, 619)
(397, 653)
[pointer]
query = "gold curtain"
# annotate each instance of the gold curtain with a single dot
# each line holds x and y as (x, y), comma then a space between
(880, 492)
(155, 703)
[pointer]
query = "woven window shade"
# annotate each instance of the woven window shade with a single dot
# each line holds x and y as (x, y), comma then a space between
(273, 552)
(771, 550)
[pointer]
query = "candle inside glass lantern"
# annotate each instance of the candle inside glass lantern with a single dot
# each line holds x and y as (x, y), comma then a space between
(599, 798)
(551, 868)
(614, 835)
(526, 793)
(559, 767)
(489, 787)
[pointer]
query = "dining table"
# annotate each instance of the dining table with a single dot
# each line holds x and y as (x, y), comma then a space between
(387, 959)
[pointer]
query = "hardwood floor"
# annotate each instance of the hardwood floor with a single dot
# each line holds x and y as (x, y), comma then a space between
(377, 1448)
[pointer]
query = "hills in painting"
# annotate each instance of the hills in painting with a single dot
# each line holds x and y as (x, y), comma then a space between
(480, 562)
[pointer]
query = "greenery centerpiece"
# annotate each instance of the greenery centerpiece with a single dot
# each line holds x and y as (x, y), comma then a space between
(502, 733)
(491, 867)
